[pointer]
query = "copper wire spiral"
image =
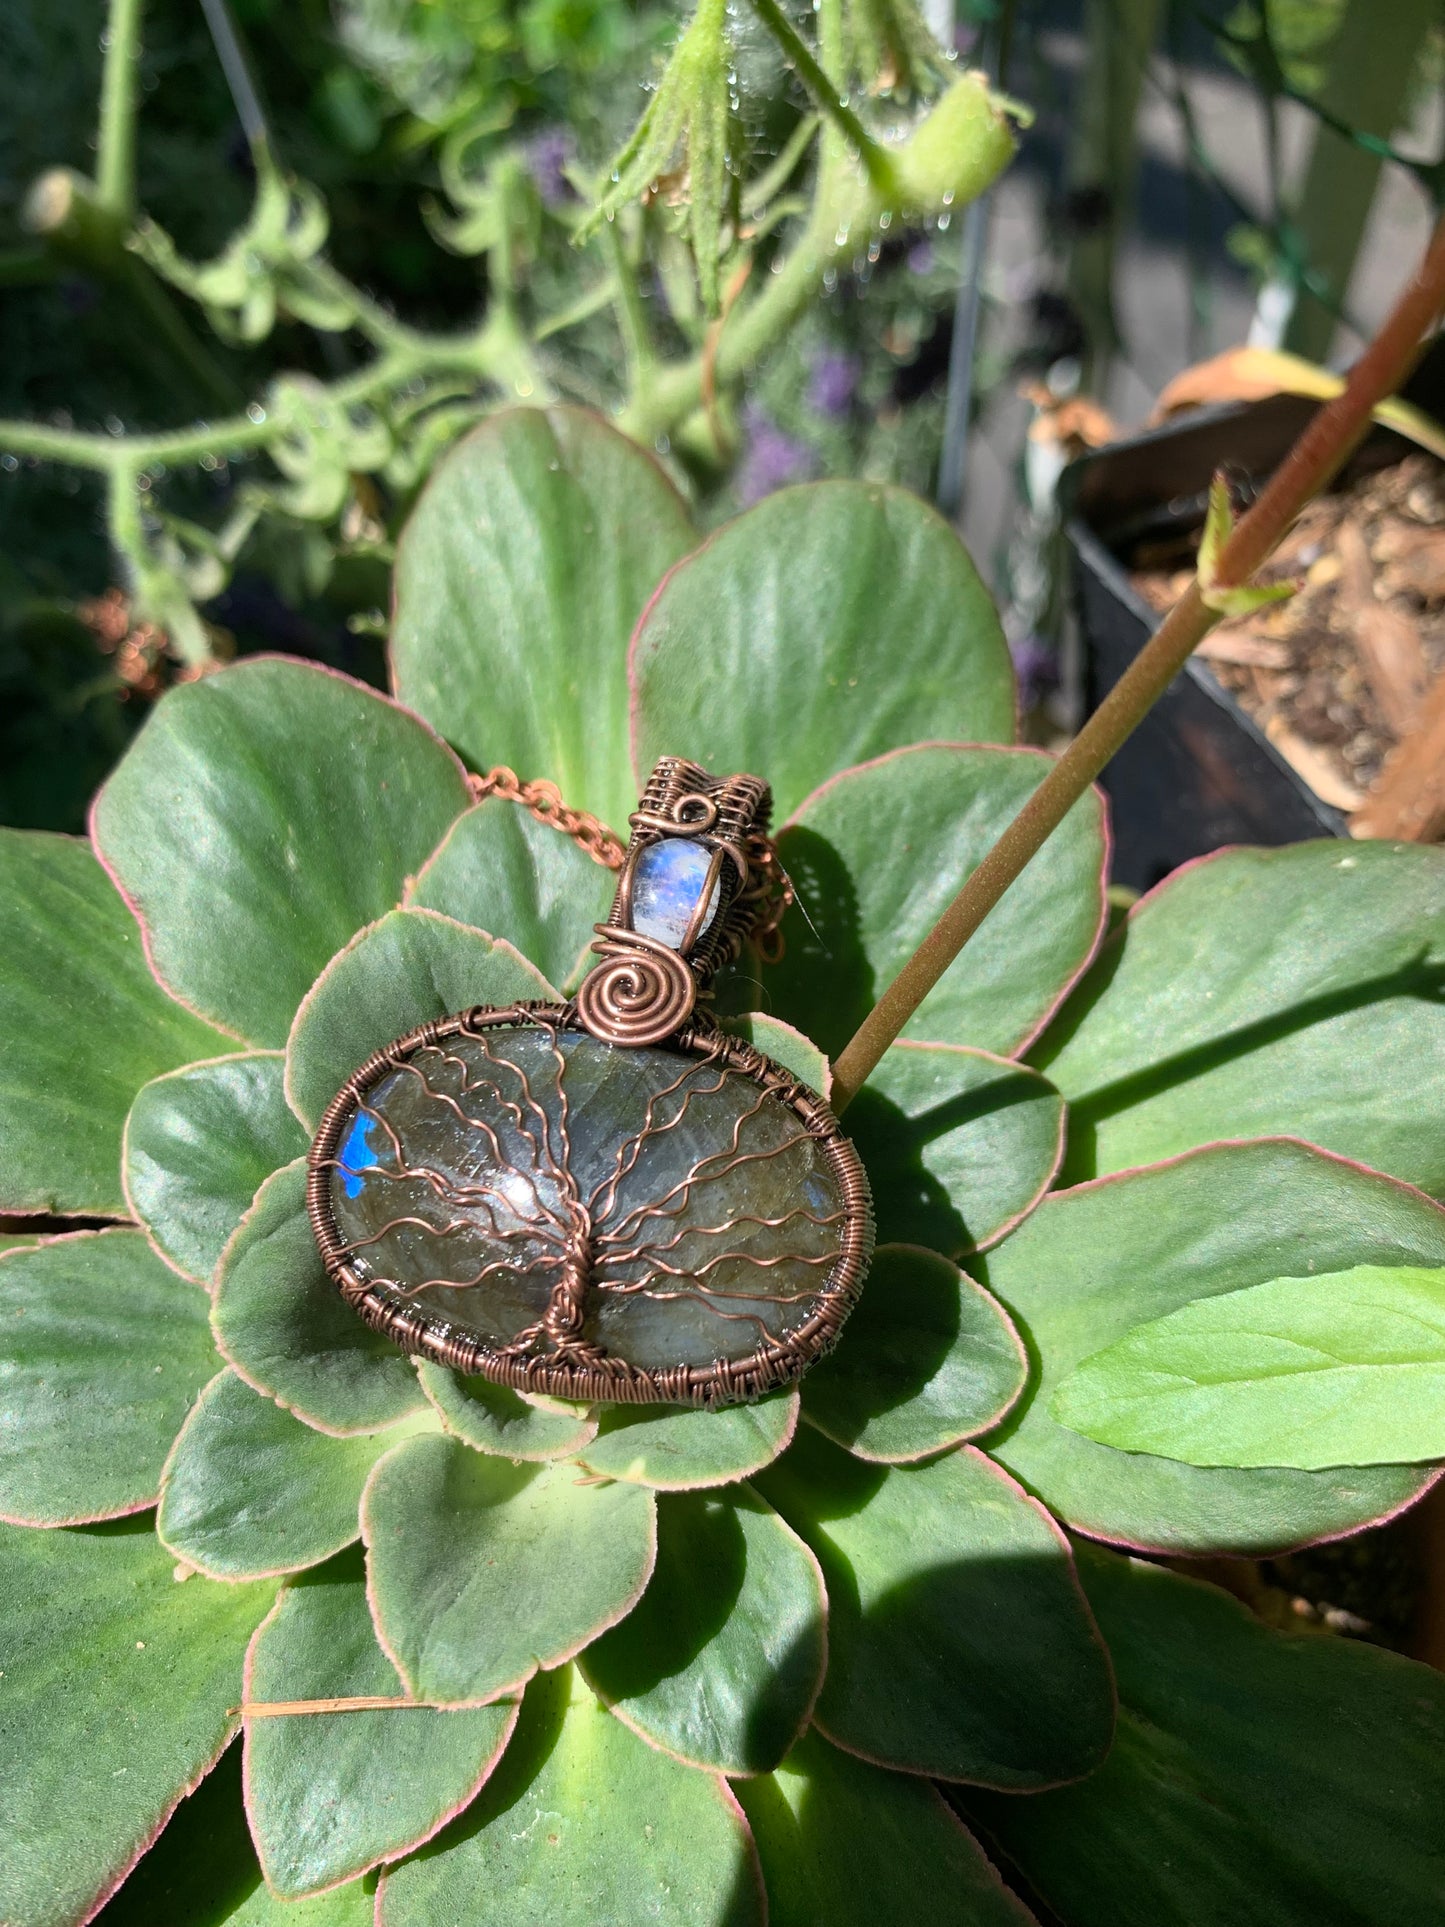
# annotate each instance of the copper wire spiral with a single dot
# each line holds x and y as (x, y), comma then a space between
(641, 992)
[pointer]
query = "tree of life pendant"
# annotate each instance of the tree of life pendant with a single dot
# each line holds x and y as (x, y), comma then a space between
(609, 1198)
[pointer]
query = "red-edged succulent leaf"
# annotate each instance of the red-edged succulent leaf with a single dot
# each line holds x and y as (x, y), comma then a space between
(959, 1641)
(679, 1449)
(926, 1360)
(480, 1571)
(119, 1694)
(199, 1143)
(83, 1024)
(283, 1325)
(746, 661)
(518, 580)
(584, 1822)
(491, 1418)
(846, 1843)
(105, 1350)
(878, 853)
(1260, 991)
(261, 818)
(249, 1492)
(1257, 1775)
(722, 1659)
(1092, 1263)
(332, 1794)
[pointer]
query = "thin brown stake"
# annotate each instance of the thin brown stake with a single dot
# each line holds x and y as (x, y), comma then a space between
(1317, 456)
(372, 1703)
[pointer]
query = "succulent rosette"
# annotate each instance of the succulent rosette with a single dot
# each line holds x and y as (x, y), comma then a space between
(548, 1662)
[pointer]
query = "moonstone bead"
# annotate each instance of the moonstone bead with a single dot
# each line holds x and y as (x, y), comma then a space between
(666, 885)
(709, 1216)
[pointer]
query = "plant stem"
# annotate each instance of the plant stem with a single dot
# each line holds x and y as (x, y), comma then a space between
(115, 134)
(1331, 437)
(824, 94)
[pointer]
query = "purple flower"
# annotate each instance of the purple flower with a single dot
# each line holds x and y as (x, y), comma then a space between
(1037, 669)
(771, 458)
(833, 383)
(920, 257)
(547, 155)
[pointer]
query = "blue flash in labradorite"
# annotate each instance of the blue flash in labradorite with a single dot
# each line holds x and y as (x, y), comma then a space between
(356, 1155)
(666, 886)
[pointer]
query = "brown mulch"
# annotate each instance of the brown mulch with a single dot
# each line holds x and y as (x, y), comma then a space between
(1336, 675)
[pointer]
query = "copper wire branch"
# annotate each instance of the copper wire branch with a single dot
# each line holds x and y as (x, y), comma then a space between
(1317, 456)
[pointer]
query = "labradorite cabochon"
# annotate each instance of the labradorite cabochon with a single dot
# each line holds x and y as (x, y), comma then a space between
(705, 1217)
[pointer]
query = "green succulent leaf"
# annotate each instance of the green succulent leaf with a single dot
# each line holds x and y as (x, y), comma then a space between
(958, 1145)
(582, 1823)
(491, 1418)
(411, 967)
(926, 1360)
(199, 1143)
(519, 578)
(1234, 994)
(785, 1045)
(332, 1794)
(117, 1696)
(878, 854)
(250, 1492)
(722, 1659)
(481, 1571)
(1257, 1775)
(847, 1844)
(261, 817)
(202, 1872)
(105, 1349)
(283, 1325)
(83, 1023)
(1091, 1264)
(959, 1642)
(679, 1448)
(499, 869)
(742, 663)
(1347, 1368)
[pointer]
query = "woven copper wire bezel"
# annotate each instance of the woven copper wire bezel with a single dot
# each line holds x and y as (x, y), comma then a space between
(417, 1329)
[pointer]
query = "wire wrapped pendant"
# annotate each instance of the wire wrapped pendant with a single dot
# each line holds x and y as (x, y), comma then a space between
(609, 1198)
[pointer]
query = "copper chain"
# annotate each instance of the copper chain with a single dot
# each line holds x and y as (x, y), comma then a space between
(604, 846)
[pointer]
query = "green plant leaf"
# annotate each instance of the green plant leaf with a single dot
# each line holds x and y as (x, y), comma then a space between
(1234, 994)
(722, 1659)
(393, 977)
(678, 1448)
(583, 1823)
(199, 1143)
(878, 854)
(959, 1643)
(958, 1145)
(499, 869)
(926, 1360)
(1257, 1776)
(83, 1023)
(283, 1325)
(491, 1418)
(785, 1045)
(1347, 1368)
(202, 1872)
(260, 818)
(775, 648)
(847, 1844)
(1091, 1264)
(105, 1349)
(518, 580)
(116, 1699)
(332, 1794)
(250, 1492)
(481, 1571)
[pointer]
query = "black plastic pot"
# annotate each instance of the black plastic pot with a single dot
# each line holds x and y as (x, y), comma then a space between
(1198, 773)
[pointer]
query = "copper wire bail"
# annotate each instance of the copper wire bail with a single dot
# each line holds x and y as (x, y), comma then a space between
(644, 989)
